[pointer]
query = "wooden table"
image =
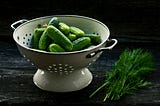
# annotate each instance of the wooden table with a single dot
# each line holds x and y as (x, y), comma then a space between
(17, 87)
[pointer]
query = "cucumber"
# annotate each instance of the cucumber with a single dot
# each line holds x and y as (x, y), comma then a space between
(36, 36)
(55, 48)
(71, 37)
(78, 32)
(64, 28)
(59, 37)
(44, 41)
(95, 39)
(54, 21)
(81, 43)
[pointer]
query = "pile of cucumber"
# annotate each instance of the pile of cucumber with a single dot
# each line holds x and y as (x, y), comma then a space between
(57, 36)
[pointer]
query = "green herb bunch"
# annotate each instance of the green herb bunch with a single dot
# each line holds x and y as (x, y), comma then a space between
(128, 74)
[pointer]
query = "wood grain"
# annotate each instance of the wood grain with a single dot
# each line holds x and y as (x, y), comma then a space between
(17, 87)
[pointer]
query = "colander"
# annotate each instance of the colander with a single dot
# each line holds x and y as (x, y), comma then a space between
(65, 71)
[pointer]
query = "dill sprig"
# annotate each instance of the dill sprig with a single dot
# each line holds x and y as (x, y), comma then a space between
(128, 74)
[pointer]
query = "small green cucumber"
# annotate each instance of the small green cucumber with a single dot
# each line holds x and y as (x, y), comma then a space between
(95, 39)
(55, 48)
(54, 21)
(36, 36)
(72, 37)
(44, 41)
(59, 37)
(77, 31)
(64, 28)
(81, 43)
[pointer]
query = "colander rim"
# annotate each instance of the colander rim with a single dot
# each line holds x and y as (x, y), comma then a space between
(67, 52)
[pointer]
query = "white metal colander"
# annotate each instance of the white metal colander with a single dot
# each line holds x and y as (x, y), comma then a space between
(64, 71)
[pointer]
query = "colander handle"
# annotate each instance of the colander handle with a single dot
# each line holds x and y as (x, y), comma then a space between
(18, 23)
(104, 48)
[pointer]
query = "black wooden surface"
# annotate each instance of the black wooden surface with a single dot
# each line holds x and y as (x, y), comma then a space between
(135, 23)
(17, 87)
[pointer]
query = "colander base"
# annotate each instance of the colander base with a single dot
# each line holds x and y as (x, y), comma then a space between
(62, 83)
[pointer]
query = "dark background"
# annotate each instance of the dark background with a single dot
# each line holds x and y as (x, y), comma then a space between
(125, 18)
